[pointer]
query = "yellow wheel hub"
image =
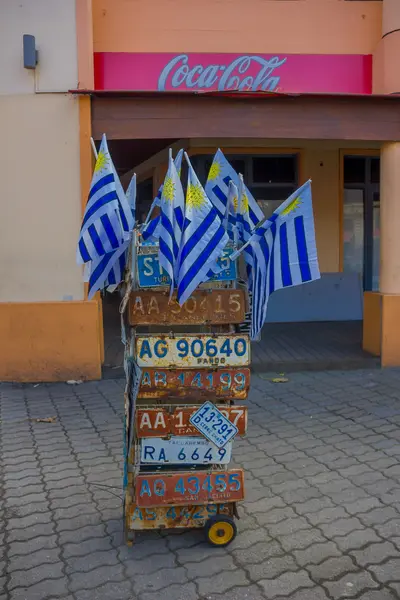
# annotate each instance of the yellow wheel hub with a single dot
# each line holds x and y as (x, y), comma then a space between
(221, 533)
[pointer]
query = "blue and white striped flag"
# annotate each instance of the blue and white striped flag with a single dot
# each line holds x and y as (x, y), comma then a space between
(107, 221)
(245, 228)
(172, 207)
(230, 218)
(149, 229)
(106, 228)
(131, 196)
(107, 271)
(203, 240)
(217, 186)
(117, 272)
(284, 252)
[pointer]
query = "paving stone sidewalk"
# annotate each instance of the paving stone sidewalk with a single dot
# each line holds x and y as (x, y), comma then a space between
(321, 520)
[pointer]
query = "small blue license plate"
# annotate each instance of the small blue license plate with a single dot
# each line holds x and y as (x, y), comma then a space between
(150, 274)
(213, 424)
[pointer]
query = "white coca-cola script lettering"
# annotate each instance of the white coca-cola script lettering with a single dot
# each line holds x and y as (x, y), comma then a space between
(246, 73)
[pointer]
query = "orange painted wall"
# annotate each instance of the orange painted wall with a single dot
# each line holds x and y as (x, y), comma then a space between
(263, 26)
(49, 341)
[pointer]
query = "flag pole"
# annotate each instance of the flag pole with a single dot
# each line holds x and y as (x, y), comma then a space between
(187, 159)
(93, 147)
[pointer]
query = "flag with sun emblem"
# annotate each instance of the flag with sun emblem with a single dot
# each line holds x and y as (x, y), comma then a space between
(245, 228)
(203, 240)
(150, 229)
(284, 252)
(108, 220)
(172, 206)
(217, 187)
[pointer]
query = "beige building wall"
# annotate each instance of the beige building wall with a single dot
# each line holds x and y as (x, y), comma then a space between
(40, 201)
(40, 198)
(52, 22)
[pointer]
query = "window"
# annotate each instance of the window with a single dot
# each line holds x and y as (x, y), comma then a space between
(361, 218)
(271, 178)
(145, 198)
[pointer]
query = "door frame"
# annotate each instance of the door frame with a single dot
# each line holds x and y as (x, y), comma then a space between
(369, 190)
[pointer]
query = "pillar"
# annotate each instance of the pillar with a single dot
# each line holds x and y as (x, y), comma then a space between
(381, 330)
(386, 74)
(382, 309)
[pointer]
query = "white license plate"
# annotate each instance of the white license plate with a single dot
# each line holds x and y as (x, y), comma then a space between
(214, 425)
(193, 351)
(176, 451)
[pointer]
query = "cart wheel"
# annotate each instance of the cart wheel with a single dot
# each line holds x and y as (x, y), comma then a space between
(129, 538)
(220, 530)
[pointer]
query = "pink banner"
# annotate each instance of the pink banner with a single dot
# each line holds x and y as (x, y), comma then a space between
(284, 73)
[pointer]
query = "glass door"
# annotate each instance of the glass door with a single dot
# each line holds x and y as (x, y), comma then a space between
(353, 231)
(361, 219)
(376, 237)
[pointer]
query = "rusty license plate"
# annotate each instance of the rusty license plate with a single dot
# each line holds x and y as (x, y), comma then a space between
(195, 487)
(169, 420)
(169, 517)
(195, 350)
(190, 383)
(214, 306)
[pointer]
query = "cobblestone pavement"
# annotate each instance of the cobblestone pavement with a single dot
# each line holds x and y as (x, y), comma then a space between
(321, 520)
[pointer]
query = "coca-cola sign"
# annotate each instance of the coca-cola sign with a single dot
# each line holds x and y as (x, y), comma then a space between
(203, 72)
(243, 73)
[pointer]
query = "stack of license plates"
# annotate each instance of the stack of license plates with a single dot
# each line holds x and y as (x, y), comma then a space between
(183, 414)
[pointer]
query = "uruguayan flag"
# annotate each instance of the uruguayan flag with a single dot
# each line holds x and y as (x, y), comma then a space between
(284, 252)
(172, 206)
(107, 271)
(149, 229)
(217, 186)
(230, 218)
(131, 196)
(117, 272)
(203, 240)
(245, 228)
(107, 221)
